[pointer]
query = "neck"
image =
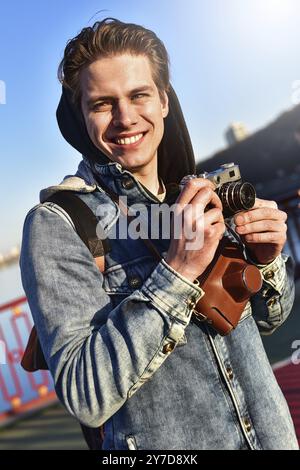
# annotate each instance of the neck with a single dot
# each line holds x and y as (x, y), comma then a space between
(152, 184)
(149, 178)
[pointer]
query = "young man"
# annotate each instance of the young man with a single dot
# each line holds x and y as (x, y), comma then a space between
(121, 346)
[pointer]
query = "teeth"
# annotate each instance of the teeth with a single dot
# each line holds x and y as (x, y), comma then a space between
(129, 140)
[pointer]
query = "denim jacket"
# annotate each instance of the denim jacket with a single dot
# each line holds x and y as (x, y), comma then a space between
(122, 347)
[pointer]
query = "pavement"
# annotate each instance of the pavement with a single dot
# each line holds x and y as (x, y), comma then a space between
(50, 429)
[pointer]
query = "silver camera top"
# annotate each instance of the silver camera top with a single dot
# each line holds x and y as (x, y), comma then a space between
(228, 172)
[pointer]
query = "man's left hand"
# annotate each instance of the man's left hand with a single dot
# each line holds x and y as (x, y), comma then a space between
(262, 230)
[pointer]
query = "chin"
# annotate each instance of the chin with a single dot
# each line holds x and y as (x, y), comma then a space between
(132, 163)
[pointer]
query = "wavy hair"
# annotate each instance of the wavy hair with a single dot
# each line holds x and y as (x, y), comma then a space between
(108, 38)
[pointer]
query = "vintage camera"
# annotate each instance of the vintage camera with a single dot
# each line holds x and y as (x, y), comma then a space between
(235, 195)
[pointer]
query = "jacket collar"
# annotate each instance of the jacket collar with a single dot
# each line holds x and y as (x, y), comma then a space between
(117, 179)
(89, 177)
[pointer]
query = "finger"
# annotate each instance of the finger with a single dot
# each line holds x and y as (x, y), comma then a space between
(213, 216)
(264, 203)
(200, 220)
(264, 213)
(205, 224)
(210, 197)
(262, 226)
(191, 188)
(215, 231)
(221, 228)
(266, 237)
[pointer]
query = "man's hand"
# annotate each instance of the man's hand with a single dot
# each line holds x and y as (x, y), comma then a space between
(197, 195)
(262, 230)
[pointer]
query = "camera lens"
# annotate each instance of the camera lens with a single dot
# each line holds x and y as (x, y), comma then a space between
(247, 195)
(236, 196)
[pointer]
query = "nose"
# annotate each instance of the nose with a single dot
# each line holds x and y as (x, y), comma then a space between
(124, 114)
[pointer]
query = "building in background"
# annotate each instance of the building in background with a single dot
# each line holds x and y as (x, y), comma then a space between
(236, 132)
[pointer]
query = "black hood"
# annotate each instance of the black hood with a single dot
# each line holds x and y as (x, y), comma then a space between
(175, 153)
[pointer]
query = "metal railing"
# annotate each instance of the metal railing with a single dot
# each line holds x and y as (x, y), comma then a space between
(20, 391)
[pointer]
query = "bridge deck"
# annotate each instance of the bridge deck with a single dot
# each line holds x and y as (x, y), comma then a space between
(50, 429)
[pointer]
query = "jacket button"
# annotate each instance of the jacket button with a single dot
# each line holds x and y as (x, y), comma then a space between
(191, 304)
(135, 281)
(168, 348)
(247, 424)
(127, 183)
(269, 275)
(229, 373)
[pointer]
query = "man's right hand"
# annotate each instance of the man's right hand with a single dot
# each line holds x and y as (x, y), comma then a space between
(198, 193)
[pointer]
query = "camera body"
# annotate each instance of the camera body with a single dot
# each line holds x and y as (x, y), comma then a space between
(235, 194)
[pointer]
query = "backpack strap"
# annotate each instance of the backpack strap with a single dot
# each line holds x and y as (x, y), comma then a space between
(86, 224)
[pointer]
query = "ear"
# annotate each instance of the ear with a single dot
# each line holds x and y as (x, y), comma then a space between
(165, 105)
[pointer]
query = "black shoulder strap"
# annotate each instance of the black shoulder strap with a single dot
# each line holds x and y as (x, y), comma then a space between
(84, 220)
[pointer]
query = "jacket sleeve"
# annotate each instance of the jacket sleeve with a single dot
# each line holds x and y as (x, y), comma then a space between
(272, 305)
(98, 355)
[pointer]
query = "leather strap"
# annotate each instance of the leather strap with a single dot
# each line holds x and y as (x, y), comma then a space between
(85, 223)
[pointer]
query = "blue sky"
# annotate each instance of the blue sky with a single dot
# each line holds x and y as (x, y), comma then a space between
(230, 60)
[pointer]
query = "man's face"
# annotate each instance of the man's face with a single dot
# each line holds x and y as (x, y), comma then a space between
(123, 110)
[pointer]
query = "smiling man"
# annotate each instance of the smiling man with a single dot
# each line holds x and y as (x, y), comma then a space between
(127, 357)
(124, 113)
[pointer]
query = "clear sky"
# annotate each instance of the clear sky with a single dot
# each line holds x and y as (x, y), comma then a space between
(230, 60)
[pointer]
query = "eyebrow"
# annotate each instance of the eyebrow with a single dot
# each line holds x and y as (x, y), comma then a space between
(109, 97)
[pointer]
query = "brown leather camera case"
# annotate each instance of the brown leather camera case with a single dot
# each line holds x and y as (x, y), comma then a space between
(228, 283)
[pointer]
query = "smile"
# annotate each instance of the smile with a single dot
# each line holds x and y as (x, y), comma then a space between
(129, 140)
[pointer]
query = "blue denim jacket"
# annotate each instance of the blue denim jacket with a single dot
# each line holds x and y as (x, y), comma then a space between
(121, 345)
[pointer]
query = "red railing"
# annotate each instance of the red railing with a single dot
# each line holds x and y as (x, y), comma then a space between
(20, 392)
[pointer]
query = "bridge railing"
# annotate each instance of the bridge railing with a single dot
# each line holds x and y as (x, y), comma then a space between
(20, 391)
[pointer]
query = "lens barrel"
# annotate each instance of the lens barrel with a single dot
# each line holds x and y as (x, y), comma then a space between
(236, 196)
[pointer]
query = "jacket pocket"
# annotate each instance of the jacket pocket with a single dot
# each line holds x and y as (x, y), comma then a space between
(123, 279)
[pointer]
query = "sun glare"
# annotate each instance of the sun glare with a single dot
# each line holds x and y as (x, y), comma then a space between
(274, 10)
